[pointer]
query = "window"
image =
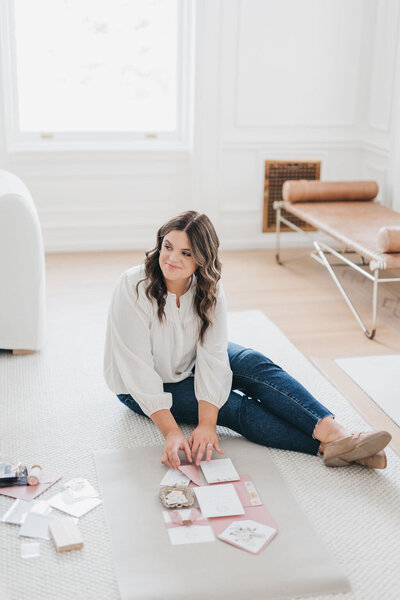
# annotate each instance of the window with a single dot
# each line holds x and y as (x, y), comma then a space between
(95, 71)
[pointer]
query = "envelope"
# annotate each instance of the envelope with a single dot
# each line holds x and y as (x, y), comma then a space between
(253, 507)
(192, 472)
(253, 513)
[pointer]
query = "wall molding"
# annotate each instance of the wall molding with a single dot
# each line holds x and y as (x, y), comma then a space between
(234, 39)
(96, 240)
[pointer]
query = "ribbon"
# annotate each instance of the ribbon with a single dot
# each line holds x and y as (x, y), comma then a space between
(194, 519)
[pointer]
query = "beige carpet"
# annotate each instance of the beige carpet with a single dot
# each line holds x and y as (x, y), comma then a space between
(56, 410)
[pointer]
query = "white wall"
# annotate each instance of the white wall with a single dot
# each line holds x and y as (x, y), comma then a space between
(274, 79)
(381, 133)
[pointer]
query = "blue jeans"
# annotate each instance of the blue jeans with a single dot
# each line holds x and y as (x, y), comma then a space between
(266, 405)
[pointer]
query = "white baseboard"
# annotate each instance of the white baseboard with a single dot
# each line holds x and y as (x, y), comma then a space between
(92, 241)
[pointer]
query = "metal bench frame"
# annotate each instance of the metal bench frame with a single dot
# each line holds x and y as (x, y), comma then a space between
(322, 250)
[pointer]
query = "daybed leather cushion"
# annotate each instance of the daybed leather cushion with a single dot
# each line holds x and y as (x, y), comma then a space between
(317, 191)
(389, 239)
(354, 224)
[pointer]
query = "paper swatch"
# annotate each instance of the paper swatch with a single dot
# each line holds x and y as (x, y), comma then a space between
(219, 470)
(30, 549)
(36, 526)
(79, 488)
(218, 501)
(76, 508)
(17, 512)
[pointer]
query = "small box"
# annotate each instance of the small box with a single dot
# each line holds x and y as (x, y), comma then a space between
(66, 535)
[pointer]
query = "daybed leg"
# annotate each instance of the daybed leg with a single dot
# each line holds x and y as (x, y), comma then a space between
(369, 334)
(278, 232)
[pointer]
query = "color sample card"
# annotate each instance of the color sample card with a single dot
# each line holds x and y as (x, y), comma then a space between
(218, 501)
(220, 470)
(247, 535)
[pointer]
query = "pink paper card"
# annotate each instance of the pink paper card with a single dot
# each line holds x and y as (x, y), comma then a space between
(192, 472)
(259, 514)
(29, 492)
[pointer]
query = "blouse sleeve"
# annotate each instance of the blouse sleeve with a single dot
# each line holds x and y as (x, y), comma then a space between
(131, 348)
(213, 375)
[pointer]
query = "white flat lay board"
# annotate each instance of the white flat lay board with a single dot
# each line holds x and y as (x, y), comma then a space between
(296, 562)
(379, 378)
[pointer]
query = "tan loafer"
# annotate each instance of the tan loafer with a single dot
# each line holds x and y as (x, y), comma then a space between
(377, 461)
(355, 447)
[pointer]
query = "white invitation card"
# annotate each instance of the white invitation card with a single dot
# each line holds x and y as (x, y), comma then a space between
(218, 501)
(220, 470)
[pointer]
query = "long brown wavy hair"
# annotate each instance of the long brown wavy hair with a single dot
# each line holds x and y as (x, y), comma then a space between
(204, 246)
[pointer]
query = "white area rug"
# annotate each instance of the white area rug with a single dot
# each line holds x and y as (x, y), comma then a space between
(56, 410)
(379, 378)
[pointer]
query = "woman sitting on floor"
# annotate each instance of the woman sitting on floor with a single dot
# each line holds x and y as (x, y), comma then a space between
(167, 356)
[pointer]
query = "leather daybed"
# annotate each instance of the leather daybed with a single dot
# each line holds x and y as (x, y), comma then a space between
(346, 211)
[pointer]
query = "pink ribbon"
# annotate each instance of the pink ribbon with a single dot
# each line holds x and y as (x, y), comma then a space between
(194, 519)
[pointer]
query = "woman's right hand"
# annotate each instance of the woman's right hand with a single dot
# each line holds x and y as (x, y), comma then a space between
(174, 441)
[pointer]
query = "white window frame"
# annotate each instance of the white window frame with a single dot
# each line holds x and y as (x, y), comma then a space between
(17, 141)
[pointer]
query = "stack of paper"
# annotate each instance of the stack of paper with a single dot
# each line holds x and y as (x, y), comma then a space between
(78, 498)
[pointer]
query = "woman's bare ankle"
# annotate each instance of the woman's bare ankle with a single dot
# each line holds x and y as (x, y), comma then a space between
(328, 430)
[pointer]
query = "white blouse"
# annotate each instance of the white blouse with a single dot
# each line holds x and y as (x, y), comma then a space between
(141, 353)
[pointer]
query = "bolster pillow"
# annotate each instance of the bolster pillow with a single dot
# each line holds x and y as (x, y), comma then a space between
(305, 190)
(389, 239)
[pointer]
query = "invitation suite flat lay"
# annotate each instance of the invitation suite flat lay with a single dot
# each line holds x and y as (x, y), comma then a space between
(231, 512)
(294, 562)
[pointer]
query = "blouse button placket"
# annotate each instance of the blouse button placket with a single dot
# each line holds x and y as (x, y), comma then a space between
(180, 332)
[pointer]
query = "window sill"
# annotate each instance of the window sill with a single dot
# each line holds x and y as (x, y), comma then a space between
(140, 146)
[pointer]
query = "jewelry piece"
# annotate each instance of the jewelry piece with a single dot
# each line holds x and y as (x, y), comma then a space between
(176, 496)
(209, 445)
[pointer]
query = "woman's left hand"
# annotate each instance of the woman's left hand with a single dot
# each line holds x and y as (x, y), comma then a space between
(202, 440)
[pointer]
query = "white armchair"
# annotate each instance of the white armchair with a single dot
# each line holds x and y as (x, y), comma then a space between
(22, 269)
